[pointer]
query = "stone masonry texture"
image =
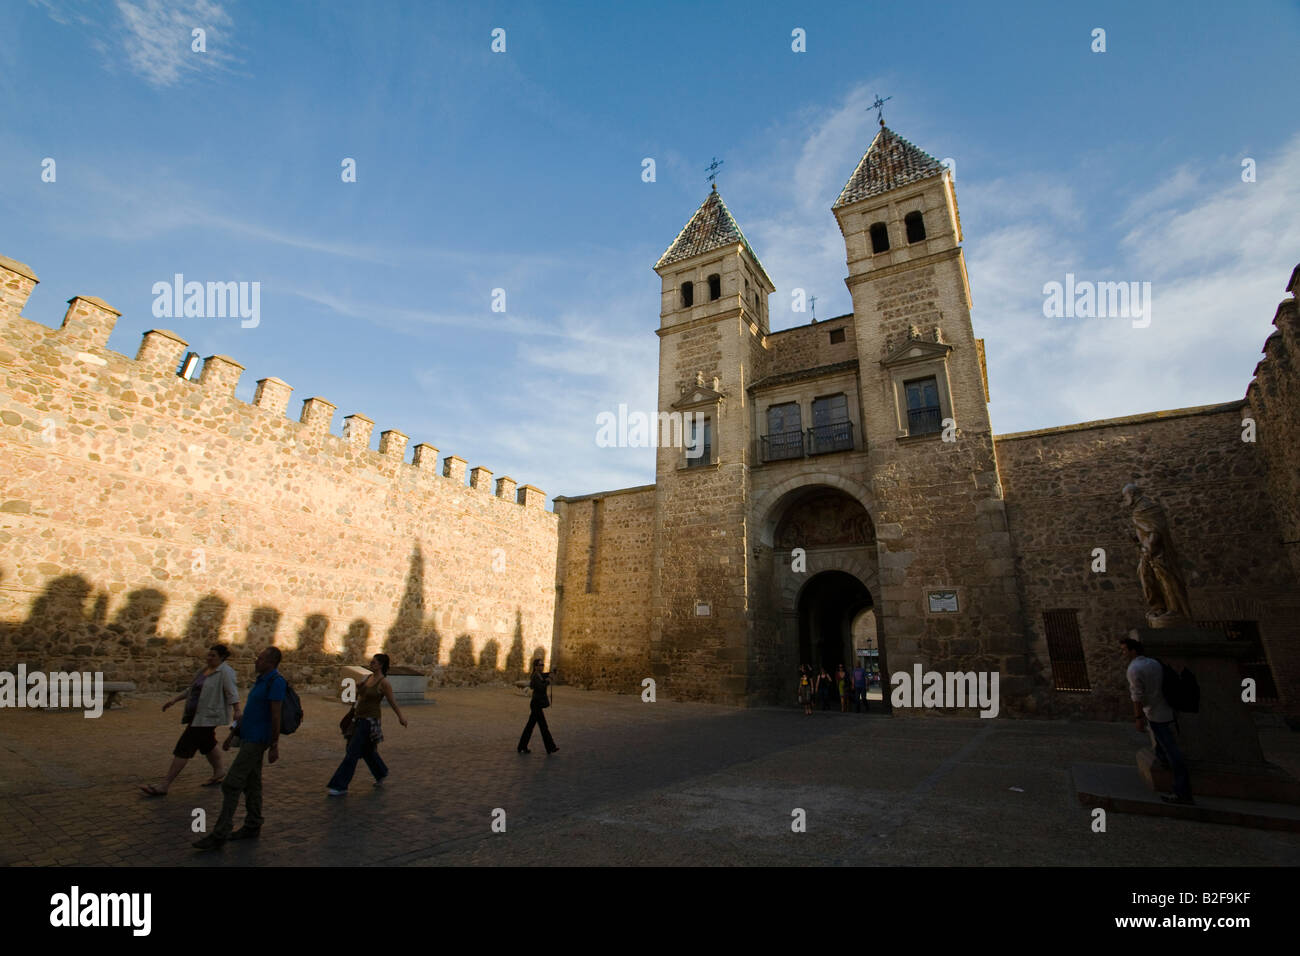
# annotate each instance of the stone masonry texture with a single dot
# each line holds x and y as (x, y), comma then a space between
(144, 516)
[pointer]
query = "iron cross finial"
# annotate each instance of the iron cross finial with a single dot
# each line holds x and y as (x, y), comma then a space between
(713, 170)
(879, 107)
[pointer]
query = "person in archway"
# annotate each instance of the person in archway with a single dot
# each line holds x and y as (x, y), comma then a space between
(842, 685)
(824, 688)
(805, 689)
(860, 704)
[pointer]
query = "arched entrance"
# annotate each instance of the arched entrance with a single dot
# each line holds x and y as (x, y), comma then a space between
(828, 605)
(820, 579)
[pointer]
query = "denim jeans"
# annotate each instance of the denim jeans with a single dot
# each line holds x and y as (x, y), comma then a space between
(360, 747)
(1166, 749)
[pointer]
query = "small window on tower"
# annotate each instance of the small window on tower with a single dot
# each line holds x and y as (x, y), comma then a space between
(915, 226)
(688, 295)
(837, 336)
(924, 414)
(715, 287)
(756, 305)
(699, 442)
(879, 238)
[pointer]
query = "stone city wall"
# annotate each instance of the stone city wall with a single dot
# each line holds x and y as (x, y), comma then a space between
(144, 516)
(603, 606)
(1063, 496)
(1274, 396)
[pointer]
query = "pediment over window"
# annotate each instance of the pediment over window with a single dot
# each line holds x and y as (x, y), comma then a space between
(916, 350)
(698, 395)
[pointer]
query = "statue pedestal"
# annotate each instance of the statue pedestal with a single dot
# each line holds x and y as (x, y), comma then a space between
(1220, 742)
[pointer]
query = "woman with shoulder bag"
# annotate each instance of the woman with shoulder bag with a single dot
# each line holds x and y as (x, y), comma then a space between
(539, 681)
(362, 728)
(208, 704)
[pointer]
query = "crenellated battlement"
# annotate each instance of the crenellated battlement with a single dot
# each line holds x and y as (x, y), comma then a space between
(89, 322)
(1274, 397)
(145, 514)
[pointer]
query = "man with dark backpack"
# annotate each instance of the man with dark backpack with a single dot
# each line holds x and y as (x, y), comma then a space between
(259, 732)
(1152, 711)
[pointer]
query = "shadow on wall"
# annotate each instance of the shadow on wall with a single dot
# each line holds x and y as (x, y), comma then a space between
(62, 633)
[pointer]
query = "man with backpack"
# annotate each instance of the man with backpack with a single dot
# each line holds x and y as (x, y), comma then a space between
(1152, 711)
(259, 733)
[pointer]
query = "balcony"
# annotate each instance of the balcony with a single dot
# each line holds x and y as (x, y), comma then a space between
(783, 445)
(837, 436)
(819, 440)
(924, 421)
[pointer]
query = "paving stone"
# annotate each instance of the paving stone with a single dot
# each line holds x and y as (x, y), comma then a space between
(633, 784)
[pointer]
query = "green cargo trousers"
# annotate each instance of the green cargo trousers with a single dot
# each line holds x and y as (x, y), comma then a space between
(244, 776)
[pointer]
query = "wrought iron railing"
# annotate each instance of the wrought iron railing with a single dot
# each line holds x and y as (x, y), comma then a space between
(924, 421)
(837, 436)
(705, 456)
(782, 445)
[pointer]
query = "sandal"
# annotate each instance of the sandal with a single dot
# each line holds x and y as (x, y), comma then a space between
(150, 790)
(214, 782)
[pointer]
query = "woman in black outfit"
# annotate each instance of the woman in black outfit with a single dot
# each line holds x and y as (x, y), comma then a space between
(536, 715)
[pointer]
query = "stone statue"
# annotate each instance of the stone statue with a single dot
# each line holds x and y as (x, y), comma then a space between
(1162, 580)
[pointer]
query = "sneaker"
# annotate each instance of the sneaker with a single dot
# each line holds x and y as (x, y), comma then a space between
(1181, 801)
(209, 842)
(244, 833)
(380, 781)
(336, 793)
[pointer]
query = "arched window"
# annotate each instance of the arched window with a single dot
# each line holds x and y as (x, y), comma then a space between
(715, 287)
(688, 295)
(915, 226)
(756, 301)
(879, 238)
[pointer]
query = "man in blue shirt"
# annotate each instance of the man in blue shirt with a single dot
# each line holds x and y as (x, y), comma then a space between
(259, 732)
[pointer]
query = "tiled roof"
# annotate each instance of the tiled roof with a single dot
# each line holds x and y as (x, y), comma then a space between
(712, 227)
(889, 162)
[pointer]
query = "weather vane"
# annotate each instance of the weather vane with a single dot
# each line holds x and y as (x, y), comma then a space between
(813, 300)
(713, 170)
(879, 107)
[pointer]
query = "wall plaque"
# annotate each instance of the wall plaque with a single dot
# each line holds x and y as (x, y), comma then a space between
(942, 602)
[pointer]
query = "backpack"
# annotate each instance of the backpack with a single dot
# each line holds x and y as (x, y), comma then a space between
(290, 709)
(1181, 690)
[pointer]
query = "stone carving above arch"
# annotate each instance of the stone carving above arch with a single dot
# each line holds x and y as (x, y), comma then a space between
(770, 509)
(825, 519)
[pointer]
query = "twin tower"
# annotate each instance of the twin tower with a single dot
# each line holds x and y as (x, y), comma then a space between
(849, 465)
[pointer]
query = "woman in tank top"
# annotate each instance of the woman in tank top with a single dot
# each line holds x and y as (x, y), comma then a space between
(363, 742)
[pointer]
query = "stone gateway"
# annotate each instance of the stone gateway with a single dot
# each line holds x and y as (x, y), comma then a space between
(833, 492)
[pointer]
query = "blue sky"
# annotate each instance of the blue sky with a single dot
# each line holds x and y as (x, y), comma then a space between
(522, 171)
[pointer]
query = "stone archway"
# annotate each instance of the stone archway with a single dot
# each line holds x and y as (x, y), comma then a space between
(820, 537)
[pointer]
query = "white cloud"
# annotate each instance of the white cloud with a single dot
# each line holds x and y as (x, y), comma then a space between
(153, 37)
(157, 37)
(1217, 257)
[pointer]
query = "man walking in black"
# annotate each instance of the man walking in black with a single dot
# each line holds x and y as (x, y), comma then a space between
(536, 714)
